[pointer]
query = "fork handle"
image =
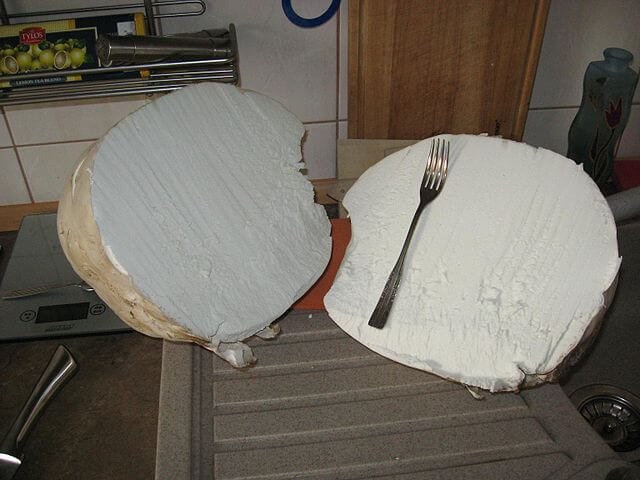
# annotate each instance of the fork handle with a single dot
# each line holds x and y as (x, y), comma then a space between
(380, 314)
(28, 292)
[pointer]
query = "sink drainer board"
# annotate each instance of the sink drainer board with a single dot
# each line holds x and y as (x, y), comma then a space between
(318, 405)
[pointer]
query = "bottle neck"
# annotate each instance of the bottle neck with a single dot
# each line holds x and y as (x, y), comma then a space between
(617, 59)
(615, 65)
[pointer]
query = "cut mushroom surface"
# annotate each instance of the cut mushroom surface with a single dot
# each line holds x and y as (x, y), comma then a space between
(506, 272)
(191, 217)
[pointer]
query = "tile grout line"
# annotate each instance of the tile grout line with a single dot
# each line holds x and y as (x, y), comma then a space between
(319, 122)
(45, 144)
(17, 154)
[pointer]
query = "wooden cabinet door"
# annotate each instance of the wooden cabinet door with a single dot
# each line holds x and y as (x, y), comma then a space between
(423, 67)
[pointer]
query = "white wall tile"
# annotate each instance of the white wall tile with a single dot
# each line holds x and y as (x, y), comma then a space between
(47, 167)
(319, 150)
(297, 66)
(343, 130)
(13, 190)
(343, 64)
(577, 32)
(5, 138)
(68, 121)
(550, 129)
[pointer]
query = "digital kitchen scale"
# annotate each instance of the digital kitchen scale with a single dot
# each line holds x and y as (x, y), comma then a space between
(36, 260)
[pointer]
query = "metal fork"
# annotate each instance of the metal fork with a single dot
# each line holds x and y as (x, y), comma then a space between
(29, 291)
(435, 174)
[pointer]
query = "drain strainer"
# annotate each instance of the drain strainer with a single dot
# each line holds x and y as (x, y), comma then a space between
(612, 412)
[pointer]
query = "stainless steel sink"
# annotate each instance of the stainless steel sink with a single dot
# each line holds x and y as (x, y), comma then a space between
(605, 385)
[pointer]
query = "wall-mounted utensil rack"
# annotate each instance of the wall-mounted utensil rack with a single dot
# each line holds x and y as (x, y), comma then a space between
(163, 76)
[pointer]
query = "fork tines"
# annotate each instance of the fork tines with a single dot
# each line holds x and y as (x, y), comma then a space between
(437, 164)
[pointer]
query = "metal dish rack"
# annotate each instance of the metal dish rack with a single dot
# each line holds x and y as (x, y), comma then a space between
(162, 76)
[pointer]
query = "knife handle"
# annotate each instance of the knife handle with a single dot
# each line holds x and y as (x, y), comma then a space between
(60, 368)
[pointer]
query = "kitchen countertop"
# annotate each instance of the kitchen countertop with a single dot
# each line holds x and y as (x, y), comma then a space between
(102, 424)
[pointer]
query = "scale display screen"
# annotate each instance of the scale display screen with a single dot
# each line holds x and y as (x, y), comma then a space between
(37, 259)
(63, 313)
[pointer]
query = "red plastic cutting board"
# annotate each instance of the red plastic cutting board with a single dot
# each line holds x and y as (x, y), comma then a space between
(340, 236)
(626, 174)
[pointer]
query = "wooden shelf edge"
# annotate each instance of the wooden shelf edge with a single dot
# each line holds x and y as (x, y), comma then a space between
(323, 188)
(11, 215)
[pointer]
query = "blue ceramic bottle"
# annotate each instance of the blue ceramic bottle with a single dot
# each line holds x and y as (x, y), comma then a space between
(608, 89)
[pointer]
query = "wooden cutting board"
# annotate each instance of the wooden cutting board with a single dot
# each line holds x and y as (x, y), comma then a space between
(419, 68)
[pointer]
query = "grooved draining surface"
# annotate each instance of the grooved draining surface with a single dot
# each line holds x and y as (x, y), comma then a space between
(318, 405)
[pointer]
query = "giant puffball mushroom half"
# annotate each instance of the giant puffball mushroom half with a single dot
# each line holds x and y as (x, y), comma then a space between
(507, 276)
(192, 220)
